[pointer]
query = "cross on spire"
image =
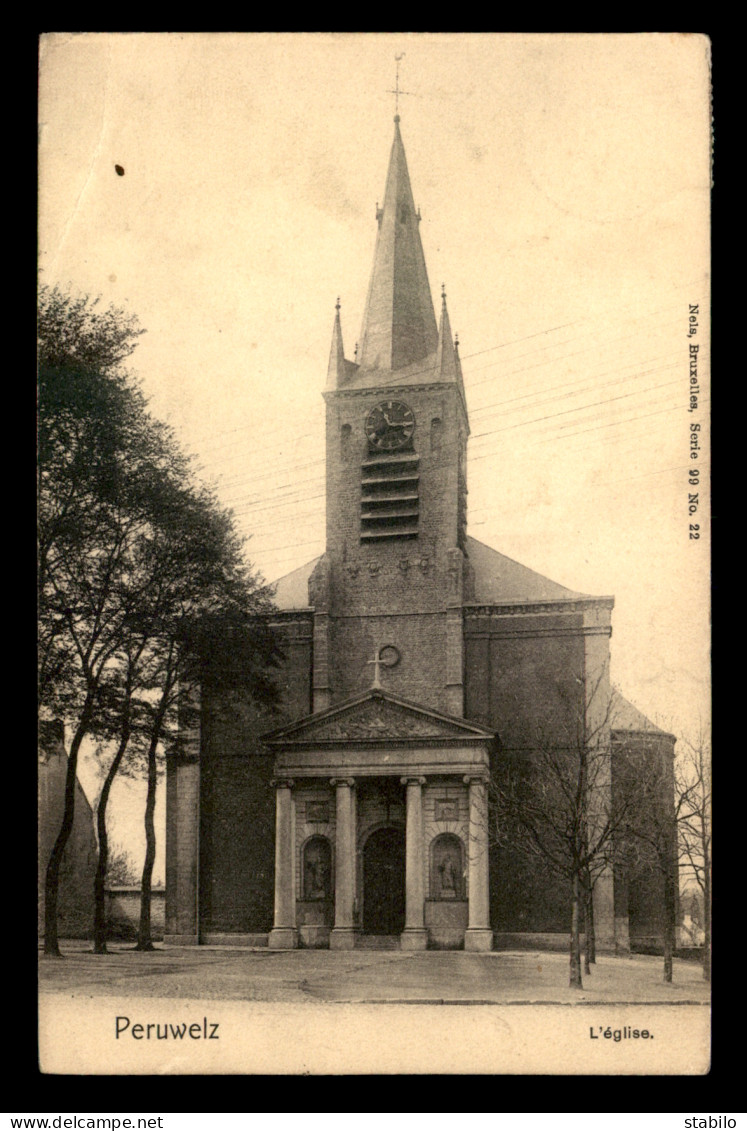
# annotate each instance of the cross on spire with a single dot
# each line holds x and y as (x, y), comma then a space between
(396, 92)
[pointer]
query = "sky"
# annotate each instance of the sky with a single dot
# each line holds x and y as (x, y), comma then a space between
(563, 181)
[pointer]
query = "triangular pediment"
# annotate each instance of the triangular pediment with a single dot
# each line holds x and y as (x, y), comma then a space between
(377, 716)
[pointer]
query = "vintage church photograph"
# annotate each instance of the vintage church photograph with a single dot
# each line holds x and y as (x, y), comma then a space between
(414, 654)
(429, 316)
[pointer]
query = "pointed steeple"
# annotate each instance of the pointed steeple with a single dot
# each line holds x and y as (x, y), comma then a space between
(448, 365)
(460, 378)
(336, 369)
(399, 324)
(446, 369)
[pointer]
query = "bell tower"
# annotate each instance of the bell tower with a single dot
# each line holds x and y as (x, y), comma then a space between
(395, 571)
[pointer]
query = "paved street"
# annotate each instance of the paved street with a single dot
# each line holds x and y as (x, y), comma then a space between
(364, 1011)
(369, 977)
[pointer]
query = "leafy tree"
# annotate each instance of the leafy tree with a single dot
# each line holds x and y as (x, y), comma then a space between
(91, 416)
(133, 554)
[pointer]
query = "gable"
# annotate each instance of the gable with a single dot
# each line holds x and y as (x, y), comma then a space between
(377, 716)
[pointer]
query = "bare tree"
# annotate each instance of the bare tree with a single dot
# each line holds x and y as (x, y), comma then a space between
(560, 800)
(692, 784)
(648, 842)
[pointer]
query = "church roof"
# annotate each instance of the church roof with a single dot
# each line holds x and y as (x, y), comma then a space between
(626, 717)
(502, 581)
(292, 590)
(498, 581)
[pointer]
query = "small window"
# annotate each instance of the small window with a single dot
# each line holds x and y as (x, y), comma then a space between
(437, 429)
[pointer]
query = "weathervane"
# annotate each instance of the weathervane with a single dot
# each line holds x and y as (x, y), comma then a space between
(396, 92)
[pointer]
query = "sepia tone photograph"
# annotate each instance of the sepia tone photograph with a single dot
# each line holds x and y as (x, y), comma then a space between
(374, 553)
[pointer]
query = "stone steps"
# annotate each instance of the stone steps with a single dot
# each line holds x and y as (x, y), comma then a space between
(377, 942)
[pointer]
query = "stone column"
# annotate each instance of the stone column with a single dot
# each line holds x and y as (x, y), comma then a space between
(183, 826)
(621, 896)
(414, 936)
(284, 934)
(182, 853)
(479, 935)
(603, 899)
(343, 932)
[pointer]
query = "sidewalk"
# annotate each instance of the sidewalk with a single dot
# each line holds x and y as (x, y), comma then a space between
(365, 976)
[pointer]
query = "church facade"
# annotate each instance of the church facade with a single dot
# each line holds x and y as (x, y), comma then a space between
(414, 657)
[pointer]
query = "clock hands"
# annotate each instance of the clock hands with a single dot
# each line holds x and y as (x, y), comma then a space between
(395, 423)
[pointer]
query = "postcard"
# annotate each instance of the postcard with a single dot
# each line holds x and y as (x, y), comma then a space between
(374, 553)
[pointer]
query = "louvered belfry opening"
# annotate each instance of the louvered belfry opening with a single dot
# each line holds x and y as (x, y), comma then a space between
(389, 497)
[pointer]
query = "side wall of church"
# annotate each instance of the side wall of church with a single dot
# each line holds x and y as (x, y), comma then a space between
(522, 674)
(237, 800)
(522, 678)
(646, 757)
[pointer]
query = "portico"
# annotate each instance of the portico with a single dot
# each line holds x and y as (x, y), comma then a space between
(381, 827)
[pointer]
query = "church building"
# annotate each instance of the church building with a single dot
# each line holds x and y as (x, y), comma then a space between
(414, 657)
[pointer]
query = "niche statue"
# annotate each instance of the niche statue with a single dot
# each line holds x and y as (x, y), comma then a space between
(448, 873)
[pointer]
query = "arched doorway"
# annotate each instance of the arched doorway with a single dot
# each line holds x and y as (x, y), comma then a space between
(384, 882)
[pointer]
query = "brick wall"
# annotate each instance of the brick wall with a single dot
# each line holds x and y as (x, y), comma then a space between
(237, 800)
(522, 672)
(521, 677)
(392, 592)
(640, 893)
(420, 674)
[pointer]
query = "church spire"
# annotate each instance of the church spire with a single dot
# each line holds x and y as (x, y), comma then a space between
(446, 368)
(448, 364)
(399, 324)
(338, 368)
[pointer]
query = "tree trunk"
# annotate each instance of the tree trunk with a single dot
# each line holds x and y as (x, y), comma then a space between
(575, 977)
(99, 883)
(585, 907)
(144, 940)
(52, 880)
(706, 912)
(670, 912)
(591, 936)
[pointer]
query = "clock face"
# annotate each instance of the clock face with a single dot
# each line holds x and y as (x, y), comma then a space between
(390, 426)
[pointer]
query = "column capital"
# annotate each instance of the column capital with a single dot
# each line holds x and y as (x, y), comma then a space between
(413, 780)
(476, 779)
(342, 781)
(282, 783)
